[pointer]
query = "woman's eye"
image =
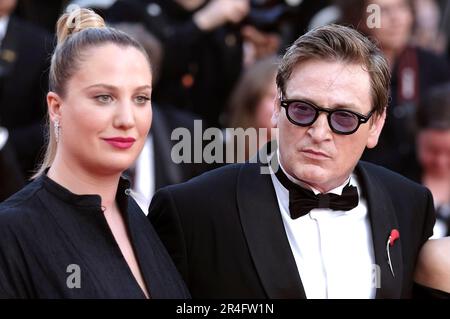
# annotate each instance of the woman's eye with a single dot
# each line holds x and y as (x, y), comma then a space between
(104, 98)
(142, 99)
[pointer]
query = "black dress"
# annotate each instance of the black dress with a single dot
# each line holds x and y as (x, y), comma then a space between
(424, 292)
(56, 244)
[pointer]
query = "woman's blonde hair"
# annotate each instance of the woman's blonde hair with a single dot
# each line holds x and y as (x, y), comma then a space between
(76, 32)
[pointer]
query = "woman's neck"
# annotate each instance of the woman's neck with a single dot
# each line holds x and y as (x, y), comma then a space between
(81, 182)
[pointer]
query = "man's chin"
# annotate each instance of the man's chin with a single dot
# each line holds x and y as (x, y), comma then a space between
(312, 174)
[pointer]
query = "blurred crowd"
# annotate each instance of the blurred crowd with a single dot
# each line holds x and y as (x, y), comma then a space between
(215, 61)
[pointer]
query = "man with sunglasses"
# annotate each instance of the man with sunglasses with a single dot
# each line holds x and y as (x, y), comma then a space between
(324, 224)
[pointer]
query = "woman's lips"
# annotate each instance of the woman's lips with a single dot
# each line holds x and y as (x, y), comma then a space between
(120, 142)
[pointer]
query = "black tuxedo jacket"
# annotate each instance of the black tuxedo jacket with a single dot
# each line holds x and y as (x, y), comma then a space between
(224, 231)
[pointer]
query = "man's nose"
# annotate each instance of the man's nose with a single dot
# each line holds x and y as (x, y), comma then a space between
(320, 130)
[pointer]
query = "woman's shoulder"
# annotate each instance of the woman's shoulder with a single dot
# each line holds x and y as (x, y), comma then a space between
(433, 267)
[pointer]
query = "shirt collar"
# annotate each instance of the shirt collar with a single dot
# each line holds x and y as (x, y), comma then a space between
(337, 190)
(88, 200)
(3, 26)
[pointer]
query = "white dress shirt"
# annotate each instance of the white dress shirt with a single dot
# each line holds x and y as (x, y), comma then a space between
(3, 137)
(333, 250)
(144, 184)
(3, 27)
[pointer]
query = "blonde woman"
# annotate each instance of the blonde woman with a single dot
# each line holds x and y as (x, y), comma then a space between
(74, 232)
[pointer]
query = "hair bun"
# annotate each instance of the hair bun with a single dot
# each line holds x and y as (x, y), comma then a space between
(76, 21)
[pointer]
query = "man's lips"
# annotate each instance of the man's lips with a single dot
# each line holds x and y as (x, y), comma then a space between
(315, 153)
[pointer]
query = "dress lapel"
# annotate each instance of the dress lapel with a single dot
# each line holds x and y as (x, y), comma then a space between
(383, 220)
(265, 234)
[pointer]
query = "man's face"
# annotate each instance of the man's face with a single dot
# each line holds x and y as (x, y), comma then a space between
(315, 154)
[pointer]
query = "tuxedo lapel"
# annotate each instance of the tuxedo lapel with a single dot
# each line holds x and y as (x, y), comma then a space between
(383, 221)
(265, 234)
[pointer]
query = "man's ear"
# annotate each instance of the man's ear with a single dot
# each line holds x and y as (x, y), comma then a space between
(54, 103)
(375, 129)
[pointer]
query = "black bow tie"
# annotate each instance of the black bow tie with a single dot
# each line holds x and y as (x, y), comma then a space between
(302, 200)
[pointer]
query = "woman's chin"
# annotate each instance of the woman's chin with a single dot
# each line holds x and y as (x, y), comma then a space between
(111, 168)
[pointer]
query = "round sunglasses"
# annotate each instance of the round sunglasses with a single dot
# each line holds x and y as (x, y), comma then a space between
(304, 114)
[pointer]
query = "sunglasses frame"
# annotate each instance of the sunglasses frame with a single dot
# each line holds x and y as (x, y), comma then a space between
(361, 118)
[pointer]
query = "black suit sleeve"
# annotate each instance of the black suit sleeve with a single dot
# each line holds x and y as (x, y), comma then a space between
(163, 214)
(430, 217)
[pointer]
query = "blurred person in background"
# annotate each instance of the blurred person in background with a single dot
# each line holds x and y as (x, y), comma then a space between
(432, 167)
(24, 61)
(414, 72)
(428, 30)
(251, 104)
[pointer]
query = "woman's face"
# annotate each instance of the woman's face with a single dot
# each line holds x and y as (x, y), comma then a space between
(396, 19)
(433, 148)
(106, 113)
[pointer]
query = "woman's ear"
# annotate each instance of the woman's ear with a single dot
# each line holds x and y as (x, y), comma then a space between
(54, 103)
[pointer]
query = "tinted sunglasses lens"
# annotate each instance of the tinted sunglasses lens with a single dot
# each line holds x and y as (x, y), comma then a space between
(343, 121)
(301, 113)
